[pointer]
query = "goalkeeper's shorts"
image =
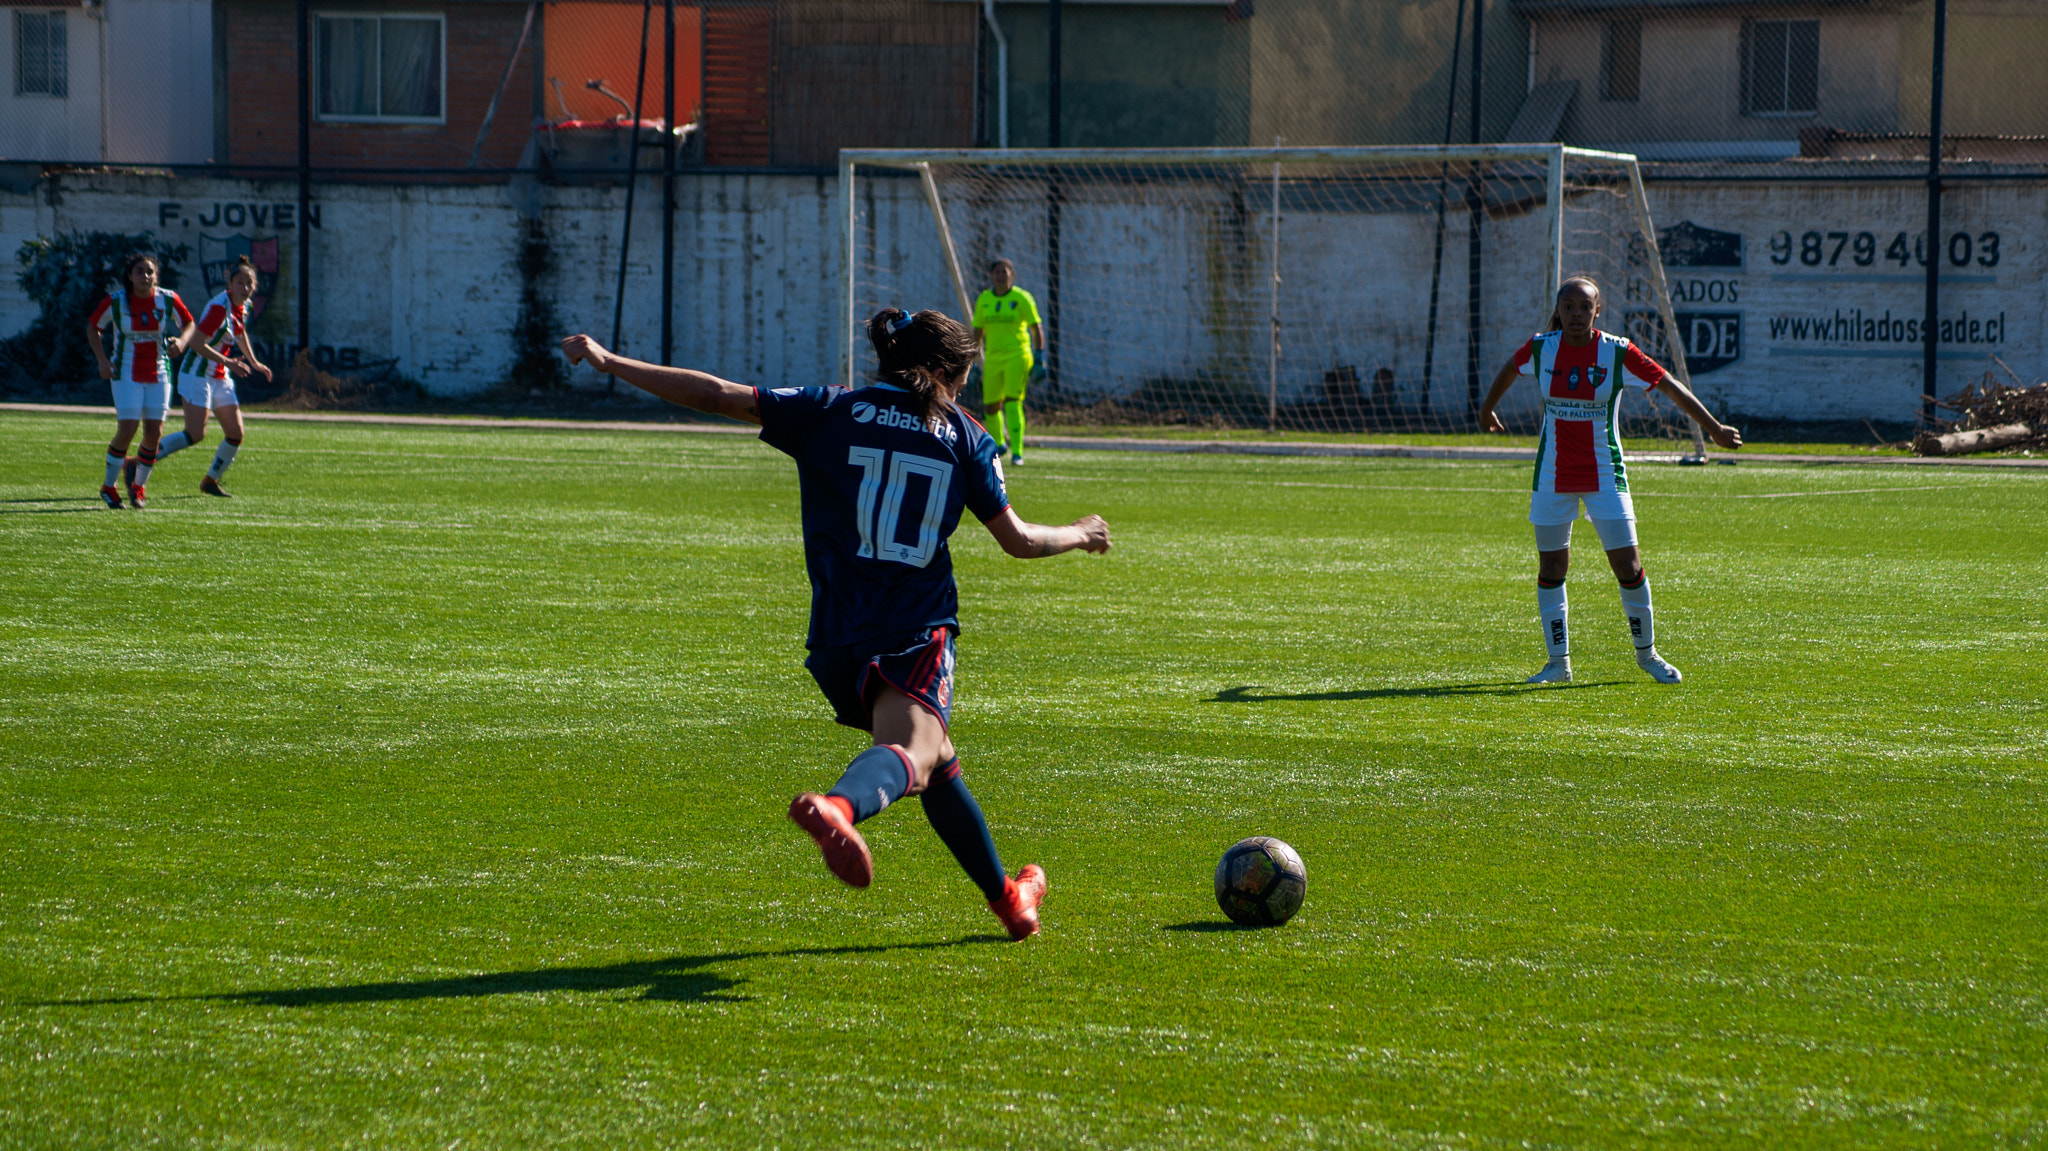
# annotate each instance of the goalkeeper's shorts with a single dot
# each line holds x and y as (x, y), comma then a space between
(1004, 379)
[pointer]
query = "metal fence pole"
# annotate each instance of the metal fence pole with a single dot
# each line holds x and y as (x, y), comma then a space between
(1930, 320)
(305, 174)
(668, 182)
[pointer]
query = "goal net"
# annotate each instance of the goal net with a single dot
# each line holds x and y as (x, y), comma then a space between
(1295, 289)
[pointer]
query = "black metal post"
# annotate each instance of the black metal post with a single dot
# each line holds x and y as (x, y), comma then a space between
(1475, 211)
(1930, 321)
(1052, 197)
(1052, 73)
(632, 182)
(668, 182)
(305, 174)
(1443, 191)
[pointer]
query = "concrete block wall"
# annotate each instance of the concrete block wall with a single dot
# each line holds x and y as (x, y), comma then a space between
(1810, 321)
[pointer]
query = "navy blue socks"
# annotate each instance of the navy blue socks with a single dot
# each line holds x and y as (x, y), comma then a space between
(875, 779)
(958, 820)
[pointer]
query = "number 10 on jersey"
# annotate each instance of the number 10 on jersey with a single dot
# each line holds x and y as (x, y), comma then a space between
(878, 534)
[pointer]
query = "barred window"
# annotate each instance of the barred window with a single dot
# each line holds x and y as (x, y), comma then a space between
(40, 55)
(1621, 60)
(376, 67)
(1780, 67)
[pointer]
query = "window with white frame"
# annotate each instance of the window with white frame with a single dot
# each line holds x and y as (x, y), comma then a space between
(379, 67)
(41, 52)
(1780, 67)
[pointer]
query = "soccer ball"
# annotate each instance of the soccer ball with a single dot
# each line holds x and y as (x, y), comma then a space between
(1260, 882)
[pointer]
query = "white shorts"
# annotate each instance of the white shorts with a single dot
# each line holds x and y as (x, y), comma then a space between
(208, 393)
(1613, 515)
(133, 401)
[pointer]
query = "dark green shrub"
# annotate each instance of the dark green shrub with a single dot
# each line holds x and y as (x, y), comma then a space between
(66, 276)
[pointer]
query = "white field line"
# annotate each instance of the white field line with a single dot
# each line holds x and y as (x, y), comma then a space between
(1081, 443)
(1505, 491)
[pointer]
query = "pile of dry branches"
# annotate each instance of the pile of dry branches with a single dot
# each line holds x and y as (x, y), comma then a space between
(308, 389)
(1995, 416)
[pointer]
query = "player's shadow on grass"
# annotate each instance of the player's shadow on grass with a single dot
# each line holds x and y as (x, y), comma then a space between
(84, 504)
(677, 979)
(1244, 694)
(1207, 926)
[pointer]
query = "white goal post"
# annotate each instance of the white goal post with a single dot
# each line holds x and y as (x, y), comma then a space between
(1331, 289)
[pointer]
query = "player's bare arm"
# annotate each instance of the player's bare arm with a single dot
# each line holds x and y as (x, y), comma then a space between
(1690, 404)
(1028, 541)
(701, 391)
(249, 361)
(99, 351)
(1502, 381)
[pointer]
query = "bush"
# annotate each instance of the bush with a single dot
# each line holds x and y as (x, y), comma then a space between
(66, 277)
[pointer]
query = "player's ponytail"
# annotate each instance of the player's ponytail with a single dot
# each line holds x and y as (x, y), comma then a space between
(926, 353)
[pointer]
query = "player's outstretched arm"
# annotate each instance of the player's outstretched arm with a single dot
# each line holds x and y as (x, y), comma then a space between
(1690, 404)
(1502, 381)
(700, 390)
(1032, 541)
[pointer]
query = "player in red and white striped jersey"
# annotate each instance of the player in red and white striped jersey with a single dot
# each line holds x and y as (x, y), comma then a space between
(150, 326)
(205, 379)
(1578, 460)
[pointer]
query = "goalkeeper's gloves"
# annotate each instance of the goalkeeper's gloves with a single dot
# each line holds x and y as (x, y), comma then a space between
(1037, 375)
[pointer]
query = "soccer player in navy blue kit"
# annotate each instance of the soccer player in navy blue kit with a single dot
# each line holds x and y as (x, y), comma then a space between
(885, 472)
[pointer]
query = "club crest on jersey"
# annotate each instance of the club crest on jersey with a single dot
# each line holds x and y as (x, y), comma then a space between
(1599, 375)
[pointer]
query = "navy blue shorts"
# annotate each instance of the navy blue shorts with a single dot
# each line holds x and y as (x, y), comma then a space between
(851, 677)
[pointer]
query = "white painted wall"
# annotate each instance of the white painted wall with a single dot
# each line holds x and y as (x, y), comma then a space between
(159, 81)
(427, 275)
(66, 128)
(157, 86)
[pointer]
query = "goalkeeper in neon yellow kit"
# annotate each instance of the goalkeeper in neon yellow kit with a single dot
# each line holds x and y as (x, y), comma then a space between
(1006, 323)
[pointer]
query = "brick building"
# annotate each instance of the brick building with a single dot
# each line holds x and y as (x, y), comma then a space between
(405, 85)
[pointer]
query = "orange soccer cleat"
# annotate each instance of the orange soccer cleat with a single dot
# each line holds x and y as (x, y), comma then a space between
(1018, 908)
(846, 853)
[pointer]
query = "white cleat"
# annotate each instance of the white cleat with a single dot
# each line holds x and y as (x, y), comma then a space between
(1556, 671)
(1648, 659)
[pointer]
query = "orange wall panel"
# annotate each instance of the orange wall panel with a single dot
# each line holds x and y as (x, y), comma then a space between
(588, 41)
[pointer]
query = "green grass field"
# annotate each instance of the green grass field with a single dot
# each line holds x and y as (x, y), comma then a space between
(430, 794)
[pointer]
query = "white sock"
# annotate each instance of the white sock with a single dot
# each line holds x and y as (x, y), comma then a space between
(172, 443)
(142, 470)
(114, 463)
(1550, 605)
(1642, 626)
(222, 457)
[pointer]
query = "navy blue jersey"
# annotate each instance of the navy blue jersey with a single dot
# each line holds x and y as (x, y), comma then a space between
(881, 494)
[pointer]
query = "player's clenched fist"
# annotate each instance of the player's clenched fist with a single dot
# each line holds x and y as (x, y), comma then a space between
(1094, 533)
(579, 348)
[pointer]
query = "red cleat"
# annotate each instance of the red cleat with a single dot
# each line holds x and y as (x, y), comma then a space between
(112, 497)
(1018, 908)
(138, 496)
(846, 853)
